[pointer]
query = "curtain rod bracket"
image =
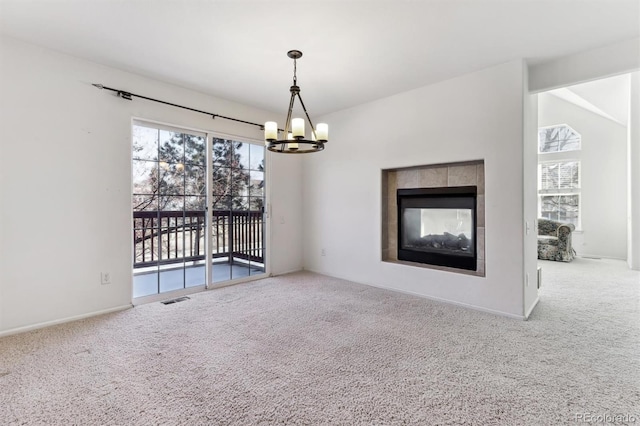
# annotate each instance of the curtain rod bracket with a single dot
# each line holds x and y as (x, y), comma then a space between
(125, 95)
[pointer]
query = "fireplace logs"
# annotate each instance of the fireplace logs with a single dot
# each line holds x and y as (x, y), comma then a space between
(444, 241)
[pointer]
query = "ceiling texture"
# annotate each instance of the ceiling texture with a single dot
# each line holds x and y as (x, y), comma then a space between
(354, 51)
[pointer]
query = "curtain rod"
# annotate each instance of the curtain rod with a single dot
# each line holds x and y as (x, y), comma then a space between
(129, 96)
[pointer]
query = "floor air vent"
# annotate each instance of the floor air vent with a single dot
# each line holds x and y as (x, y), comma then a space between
(176, 300)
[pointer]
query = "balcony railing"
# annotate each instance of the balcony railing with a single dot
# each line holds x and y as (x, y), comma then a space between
(165, 237)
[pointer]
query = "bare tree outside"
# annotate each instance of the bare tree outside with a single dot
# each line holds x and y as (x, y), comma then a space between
(169, 192)
(557, 139)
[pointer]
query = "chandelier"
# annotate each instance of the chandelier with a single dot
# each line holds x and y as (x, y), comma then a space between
(293, 139)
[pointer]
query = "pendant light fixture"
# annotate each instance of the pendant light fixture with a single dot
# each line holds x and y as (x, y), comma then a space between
(293, 139)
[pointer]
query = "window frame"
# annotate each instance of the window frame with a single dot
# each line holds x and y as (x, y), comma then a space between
(209, 135)
(559, 157)
(560, 194)
(559, 190)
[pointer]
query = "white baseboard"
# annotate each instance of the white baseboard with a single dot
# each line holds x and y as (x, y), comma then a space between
(535, 303)
(598, 256)
(275, 274)
(456, 303)
(37, 326)
(436, 299)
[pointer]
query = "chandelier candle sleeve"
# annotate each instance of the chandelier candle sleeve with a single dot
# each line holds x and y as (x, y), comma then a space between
(271, 130)
(297, 125)
(322, 131)
(292, 145)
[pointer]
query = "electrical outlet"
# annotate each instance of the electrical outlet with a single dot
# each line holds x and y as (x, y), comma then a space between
(323, 252)
(105, 278)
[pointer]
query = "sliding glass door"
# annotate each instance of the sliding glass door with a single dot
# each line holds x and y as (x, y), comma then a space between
(170, 217)
(169, 199)
(238, 201)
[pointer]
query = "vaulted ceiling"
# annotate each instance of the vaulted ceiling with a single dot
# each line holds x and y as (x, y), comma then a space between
(608, 97)
(354, 51)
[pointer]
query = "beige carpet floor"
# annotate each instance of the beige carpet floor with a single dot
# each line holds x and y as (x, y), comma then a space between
(308, 349)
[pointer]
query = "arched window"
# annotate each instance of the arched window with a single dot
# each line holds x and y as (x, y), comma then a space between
(558, 139)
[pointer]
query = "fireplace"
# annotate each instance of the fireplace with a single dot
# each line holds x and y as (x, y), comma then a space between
(437, 226)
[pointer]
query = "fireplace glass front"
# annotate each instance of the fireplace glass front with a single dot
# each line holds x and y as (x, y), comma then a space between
(438, 226)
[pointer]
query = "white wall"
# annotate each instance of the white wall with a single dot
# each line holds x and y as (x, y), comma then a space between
(65, 181)
(473, 117)
(633, 152)
(530, 202)
(603, 165)
(286, 213)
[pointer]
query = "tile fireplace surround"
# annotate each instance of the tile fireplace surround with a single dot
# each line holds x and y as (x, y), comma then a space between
(433, 176)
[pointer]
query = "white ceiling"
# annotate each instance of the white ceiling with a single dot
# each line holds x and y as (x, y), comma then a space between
(354, 51)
